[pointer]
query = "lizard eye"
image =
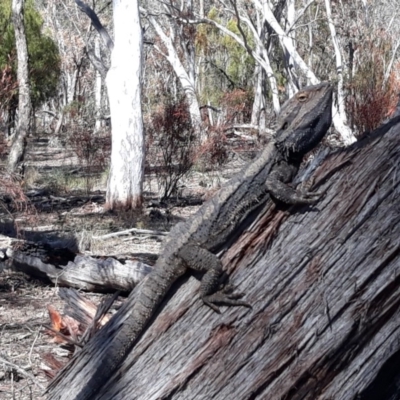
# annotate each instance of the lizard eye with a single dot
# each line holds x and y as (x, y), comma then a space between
(301, 96)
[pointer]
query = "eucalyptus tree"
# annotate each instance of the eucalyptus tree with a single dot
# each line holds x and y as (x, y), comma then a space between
(123, 78)
(24, 98)
(125, 181)
(43, 54)
(34, 61)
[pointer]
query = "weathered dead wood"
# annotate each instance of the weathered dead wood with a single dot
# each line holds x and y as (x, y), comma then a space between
(80, 308)
(324, 283)
(63, 267)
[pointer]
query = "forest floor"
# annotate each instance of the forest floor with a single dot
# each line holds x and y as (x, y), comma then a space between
(65, 205)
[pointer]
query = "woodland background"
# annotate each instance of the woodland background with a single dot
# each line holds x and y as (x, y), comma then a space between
(208, 70)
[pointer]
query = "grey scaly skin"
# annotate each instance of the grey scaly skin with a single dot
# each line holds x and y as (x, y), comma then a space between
(302, 123)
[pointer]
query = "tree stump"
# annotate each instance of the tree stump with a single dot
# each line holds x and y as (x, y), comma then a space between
(324, 283)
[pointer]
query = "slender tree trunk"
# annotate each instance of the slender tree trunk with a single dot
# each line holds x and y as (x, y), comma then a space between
(292, 83)
(71, 83)
(259, 100)
(341, 119)
(287, 43)
(125, 181)
(259, 95)
(17, 152)
(98, 87)
(310, 46)
(187, 80)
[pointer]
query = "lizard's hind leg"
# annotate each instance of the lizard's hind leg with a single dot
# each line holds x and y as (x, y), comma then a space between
(200, 259)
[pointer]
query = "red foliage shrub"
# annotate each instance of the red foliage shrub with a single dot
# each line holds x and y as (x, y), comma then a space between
(371, 97)
(92, 148)
(171, 144)
(238, 105)
(214, 150)
(8, 86)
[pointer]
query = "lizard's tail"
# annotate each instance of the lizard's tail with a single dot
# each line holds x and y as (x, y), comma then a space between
(152, 293)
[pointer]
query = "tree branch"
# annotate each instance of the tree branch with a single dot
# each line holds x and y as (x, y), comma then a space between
(96, 23)
(97, 63)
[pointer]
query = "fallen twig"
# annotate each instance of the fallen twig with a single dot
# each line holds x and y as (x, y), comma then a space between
(135, 230)
(21, 371)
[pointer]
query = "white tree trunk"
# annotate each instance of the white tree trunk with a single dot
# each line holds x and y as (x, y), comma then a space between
(123, 83)
(341, 118)
(17, 152)
(266, 66)
(98, 86)
(310, 46)
(259, 100)
(258, 103)
(72, 80)
(291, 86)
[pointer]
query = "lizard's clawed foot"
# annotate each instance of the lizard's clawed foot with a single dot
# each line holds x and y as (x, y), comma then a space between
(306, 197)
(225, 297)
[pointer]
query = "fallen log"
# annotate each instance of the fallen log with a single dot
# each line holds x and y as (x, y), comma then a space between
(324, 283)
(65, 267)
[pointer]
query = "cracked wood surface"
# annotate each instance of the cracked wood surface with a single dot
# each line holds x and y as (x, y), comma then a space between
(324, 283)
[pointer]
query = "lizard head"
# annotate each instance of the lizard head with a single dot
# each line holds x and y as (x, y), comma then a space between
(304, 120)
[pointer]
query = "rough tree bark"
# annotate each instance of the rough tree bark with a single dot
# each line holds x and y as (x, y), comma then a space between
(324, 283)
(17, 150)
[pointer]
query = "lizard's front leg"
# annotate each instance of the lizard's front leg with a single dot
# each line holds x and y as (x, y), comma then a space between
(279, 190)
(202, 260)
